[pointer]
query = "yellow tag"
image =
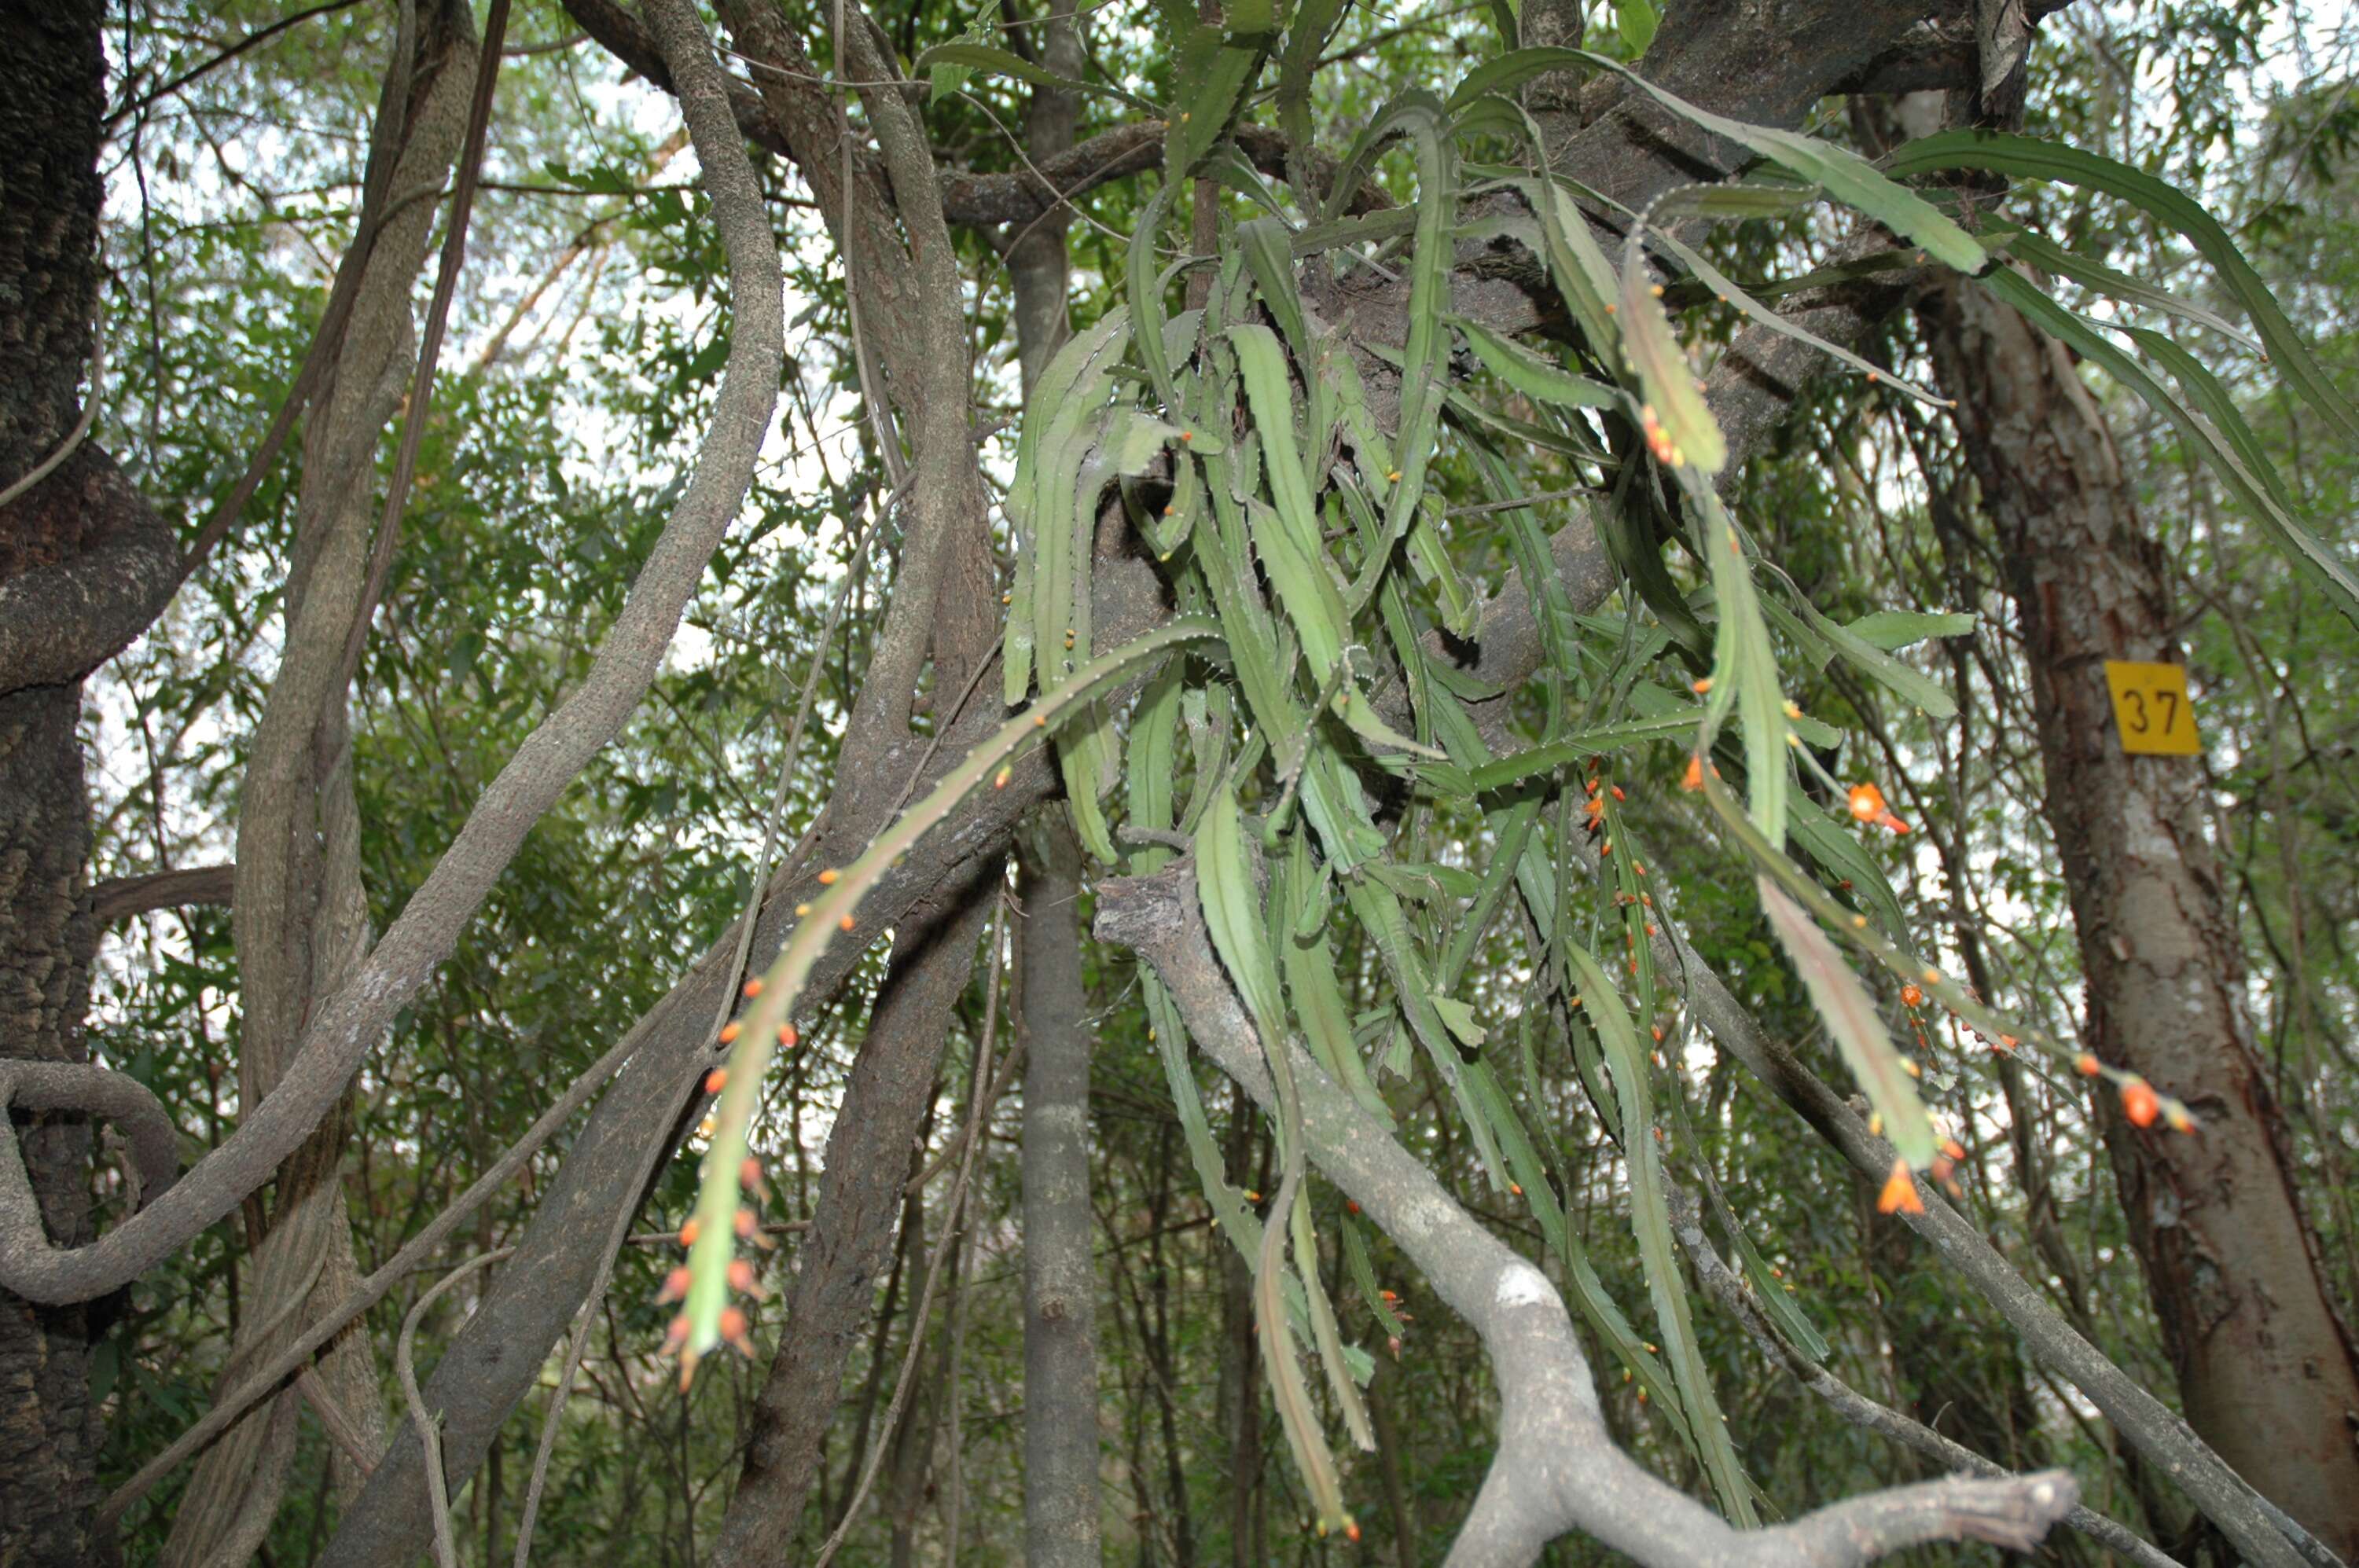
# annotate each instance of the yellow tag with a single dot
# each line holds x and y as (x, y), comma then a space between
(2152, 709)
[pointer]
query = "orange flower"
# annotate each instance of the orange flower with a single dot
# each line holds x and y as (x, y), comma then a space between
(1899, 1194)
(2140, 1103)
(1867, 805)
(1910, 996)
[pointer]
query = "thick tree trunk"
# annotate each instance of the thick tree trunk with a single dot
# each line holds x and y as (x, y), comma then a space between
(2265, 1370)
(1060, 1369)
(83, 566)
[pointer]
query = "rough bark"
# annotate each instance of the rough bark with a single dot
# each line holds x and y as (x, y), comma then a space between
(2266, 1372)
(83, 570)
(1061, 1373)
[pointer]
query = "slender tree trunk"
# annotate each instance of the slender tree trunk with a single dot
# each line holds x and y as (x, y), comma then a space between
(94, 564)
(301, 910)
(1060, 1426)
(1061, 1377)
(2265, 1370)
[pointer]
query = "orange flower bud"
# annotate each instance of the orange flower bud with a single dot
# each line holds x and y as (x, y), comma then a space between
(1693, 778)
(827, 879)
(2086, 1065)
(754, 987)
(743, 1224)
(741, 1275)
(1899, 1194)
(730, 1031)
(688, 1234)
(716, 1080)
(675, 1286)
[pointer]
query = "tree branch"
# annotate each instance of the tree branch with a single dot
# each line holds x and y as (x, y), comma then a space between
(1557, 1468)
(91, 1090)
(61, 618)
(1856, 1407)
(2258, 1527)
(120, 898)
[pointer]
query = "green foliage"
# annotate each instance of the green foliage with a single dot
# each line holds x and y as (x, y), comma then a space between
(1331, 523)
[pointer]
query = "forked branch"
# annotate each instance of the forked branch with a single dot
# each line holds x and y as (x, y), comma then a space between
(1557, 1468)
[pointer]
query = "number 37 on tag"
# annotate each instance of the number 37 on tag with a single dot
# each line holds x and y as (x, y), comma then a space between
(2151, 710)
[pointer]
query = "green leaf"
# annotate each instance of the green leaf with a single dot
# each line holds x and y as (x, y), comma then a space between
(1506, 72)
(2050, 257)
(1744, 668)
(1635, 22)
(1679, 426)
(1833, 843)
(835, 911)
(1755, 310)
(1650, 1219)
(1597, 741)
(1314, 21)
(1542, 380)
(1210, 75)
(2307, 550)
(1918, 691)
(1852, 1021)
(1232, 913)
(1892, 630)
(961, 55)
(2031, 158)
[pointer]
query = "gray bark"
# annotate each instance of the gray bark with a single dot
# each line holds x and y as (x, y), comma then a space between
(300, 910)
(1061, 1377)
